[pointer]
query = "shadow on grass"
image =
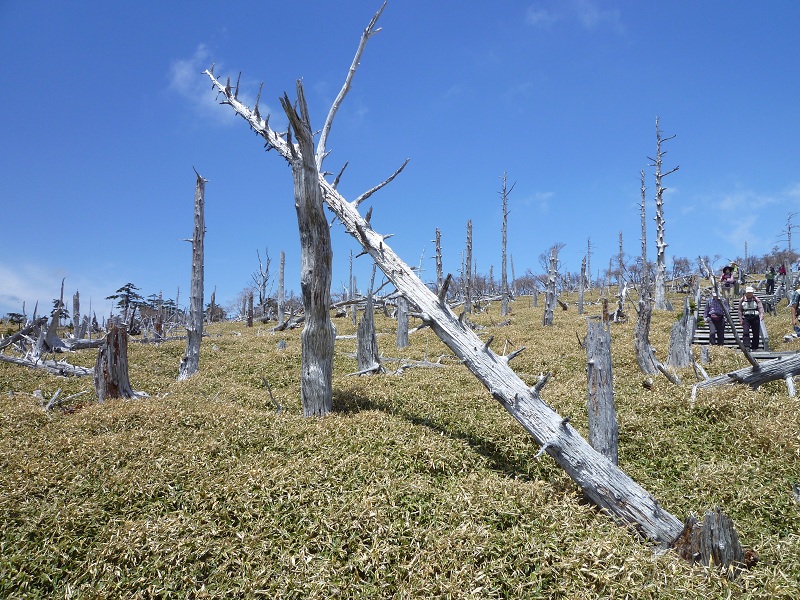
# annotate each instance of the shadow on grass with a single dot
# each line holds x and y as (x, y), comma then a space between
(498, 455)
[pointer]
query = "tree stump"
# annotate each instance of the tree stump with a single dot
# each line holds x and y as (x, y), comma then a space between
(714, 542)
(111, 369)
(603, 428)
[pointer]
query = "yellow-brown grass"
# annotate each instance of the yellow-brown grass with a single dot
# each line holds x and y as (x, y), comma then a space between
(418, 485)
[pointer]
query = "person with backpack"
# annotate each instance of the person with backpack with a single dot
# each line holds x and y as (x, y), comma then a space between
(795, 304)
(715, 318)
(751, 311)
(770, 277)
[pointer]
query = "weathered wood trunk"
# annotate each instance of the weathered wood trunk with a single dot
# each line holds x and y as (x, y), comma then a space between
(316, 258)
(714, 542)
(771, 370)
(250, 310)
(550, 298)
(680, 339)
(369, 360)
(603, 428)
(581, 286)
(641, 339)
(439, 269)
(503, 271)
(660, 294)
(77, 331)
(468, 271)
(281, 293)
(190, 363)
(111, 368)
(402, 322)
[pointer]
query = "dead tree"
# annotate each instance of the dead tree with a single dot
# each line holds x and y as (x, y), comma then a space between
(503, 271)
(680, 338)
(369, 360)
(661, 246)
(190, 363)
(250, 309)
(645, 357)
(603, 428)
(589, 261)
(439, 270)
(111, 368)
(550, 298)
(582, 286)
(620, 265)
(281, 293)
(402, 322)
(316, 258)
(468, 271)
(261, 279)
(603, 482)
(645, 275)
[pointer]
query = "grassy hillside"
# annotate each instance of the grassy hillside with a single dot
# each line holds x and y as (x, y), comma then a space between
(420, 485)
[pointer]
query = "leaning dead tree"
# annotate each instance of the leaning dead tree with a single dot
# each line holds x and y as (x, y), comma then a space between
(194, 328)
(550, 298)
(661, 246)
(604, 483)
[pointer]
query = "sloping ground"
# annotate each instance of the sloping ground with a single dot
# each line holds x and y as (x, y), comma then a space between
(419, 485)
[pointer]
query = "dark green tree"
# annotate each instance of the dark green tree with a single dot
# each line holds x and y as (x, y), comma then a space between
(126, 297)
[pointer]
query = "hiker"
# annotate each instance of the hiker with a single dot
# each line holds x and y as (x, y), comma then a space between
(715, 317)
(795, 304)
(770, 277)
(736, 277)
(726, 281)
(751, 311)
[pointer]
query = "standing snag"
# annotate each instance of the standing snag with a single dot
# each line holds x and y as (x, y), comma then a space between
(111, 367)
(194, 328)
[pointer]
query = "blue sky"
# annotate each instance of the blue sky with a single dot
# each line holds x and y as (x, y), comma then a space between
(105, 113)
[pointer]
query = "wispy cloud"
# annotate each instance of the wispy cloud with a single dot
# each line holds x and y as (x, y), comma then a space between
(31, 283)
(185, 79)
(587, 13)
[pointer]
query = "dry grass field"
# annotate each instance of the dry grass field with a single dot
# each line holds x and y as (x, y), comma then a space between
(418, 486)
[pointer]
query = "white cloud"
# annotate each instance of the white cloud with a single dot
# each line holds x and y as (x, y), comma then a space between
(30, 283)
(186, 79)
(588, 13)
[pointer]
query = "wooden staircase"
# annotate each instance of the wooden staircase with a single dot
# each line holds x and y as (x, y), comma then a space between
(701, 331)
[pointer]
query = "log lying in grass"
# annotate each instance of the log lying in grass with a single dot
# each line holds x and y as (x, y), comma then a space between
(53, 367)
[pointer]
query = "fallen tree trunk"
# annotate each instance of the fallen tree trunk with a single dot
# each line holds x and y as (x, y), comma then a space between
(53, 367)
(772, 370)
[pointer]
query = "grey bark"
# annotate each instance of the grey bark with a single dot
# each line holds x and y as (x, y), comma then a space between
(503, 270)
(603, 428)
(645, 275)
(190, 363)
(111, 368)
(680, 339)
(468, 271)
(439, 271)
(281, 292)
(250, 309)
(661, 246)
(316, 258)
(550, 298)
(641, 339)
(582, 286)
(369, 360)
(402, 322)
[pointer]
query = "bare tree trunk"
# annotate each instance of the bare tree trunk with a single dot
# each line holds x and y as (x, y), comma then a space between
(513, 277)
(281, 293)
(645, 275)
(589, 261)
(439, 271)
(714, 542)
(77, 331)
(550, 299)
(111, 368)
(582, 286)
(250, 310)
(680, 339)
(641, 339)
(316, 258)
(603, 428)
(402, 322)
(503, 272)
(661, 246)
(212, 307)
(468, 271)
(369, 360)
(620, 265)
(194, 328)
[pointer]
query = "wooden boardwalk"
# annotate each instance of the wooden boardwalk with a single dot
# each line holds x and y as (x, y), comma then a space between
(701, 331)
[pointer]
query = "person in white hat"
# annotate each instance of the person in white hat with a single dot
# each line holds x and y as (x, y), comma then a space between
(751, 311)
